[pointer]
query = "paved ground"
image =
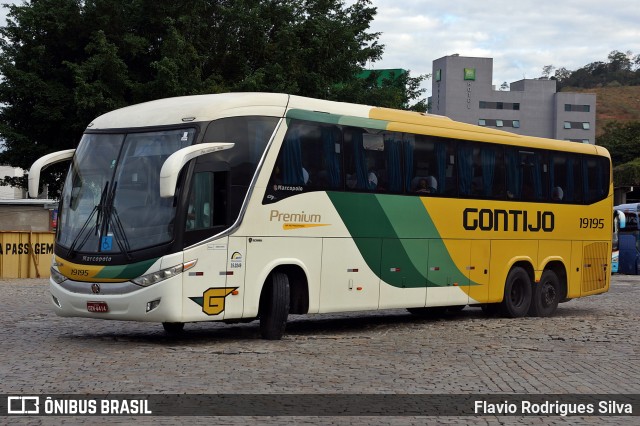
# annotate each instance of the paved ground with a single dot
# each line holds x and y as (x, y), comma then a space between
(589, 347)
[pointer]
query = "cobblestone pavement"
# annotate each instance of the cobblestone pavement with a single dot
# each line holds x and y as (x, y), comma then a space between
(589, 347)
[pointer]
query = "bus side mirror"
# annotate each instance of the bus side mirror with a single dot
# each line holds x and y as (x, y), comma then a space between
(41, 164)
(176, 161)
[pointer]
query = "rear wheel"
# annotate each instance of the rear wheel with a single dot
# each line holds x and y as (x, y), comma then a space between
(274, 307)
(517, 293)
(546, 295)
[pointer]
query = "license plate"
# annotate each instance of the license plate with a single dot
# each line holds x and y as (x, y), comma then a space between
(97, 307)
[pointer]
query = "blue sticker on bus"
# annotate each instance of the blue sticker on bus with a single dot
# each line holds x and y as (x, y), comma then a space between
(106, 243)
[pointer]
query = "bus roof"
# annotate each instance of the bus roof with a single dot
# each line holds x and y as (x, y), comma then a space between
(183, 109)
(631, 207)
(202, 108)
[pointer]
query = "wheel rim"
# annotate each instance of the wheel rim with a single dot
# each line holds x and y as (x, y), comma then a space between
(517, 293)
(548, 294)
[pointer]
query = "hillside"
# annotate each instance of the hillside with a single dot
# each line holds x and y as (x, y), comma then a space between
(613, 104)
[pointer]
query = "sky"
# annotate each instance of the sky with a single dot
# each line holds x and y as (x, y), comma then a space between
(521, 36)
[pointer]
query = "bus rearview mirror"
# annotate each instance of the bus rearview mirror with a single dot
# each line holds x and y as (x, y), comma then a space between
(176, 161)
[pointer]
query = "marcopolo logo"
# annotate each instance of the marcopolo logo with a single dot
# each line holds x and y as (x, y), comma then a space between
(507, 220)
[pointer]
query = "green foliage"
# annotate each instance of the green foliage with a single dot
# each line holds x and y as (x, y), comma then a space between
(627, 174)
(620, 69)
(397, 90)
(622, 139)
(64, 62)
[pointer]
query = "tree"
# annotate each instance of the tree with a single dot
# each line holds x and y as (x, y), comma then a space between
(65, 62)
(619, 61)
(547, 70)
(627, 174)
(622, 139)
(390, 89)
(622, 69)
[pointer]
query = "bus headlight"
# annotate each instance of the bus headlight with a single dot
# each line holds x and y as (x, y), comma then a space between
(156, 277)
(57, 277)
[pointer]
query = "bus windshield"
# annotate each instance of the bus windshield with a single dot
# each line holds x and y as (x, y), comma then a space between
(111, 199)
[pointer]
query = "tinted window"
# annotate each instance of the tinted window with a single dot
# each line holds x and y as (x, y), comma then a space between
(430, 165)
(595, 178)
(565, 177)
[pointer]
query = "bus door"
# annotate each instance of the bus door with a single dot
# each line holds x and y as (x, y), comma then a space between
(207, 293)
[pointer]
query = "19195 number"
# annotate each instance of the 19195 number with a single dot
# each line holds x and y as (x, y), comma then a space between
(591, 223)
(80, 272)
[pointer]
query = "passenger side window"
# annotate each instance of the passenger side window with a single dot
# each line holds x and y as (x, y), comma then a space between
(595, 178)
(365, 165)
(527, 174)
(310, 158)
(206, 207)
(430, 165)
(565, 177)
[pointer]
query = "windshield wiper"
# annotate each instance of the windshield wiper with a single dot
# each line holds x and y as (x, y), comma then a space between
(97, 209)
(111, 216)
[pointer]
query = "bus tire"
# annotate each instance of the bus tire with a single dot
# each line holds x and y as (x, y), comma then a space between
(173, 328)
(517, 293)
(546, 295)
(274, 307)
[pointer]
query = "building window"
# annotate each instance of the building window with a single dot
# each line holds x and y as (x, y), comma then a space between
(438, 75)
(499, 105)
(577, 108)
(498, 123)
(577, 125)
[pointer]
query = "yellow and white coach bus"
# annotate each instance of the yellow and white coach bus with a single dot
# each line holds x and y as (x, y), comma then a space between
(241, 206)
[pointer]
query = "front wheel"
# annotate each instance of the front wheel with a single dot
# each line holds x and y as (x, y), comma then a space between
(274, 307)
(517, 293)
(546, 295)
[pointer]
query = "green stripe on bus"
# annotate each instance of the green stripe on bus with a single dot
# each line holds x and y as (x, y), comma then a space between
(397, 238)
(126, 271)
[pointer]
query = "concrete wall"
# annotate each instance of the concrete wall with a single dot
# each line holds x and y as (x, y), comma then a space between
(33, 218)
(541, 110)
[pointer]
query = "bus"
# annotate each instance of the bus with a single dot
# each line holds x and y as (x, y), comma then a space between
(243, 206)
(619, 222)
(628, 238)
